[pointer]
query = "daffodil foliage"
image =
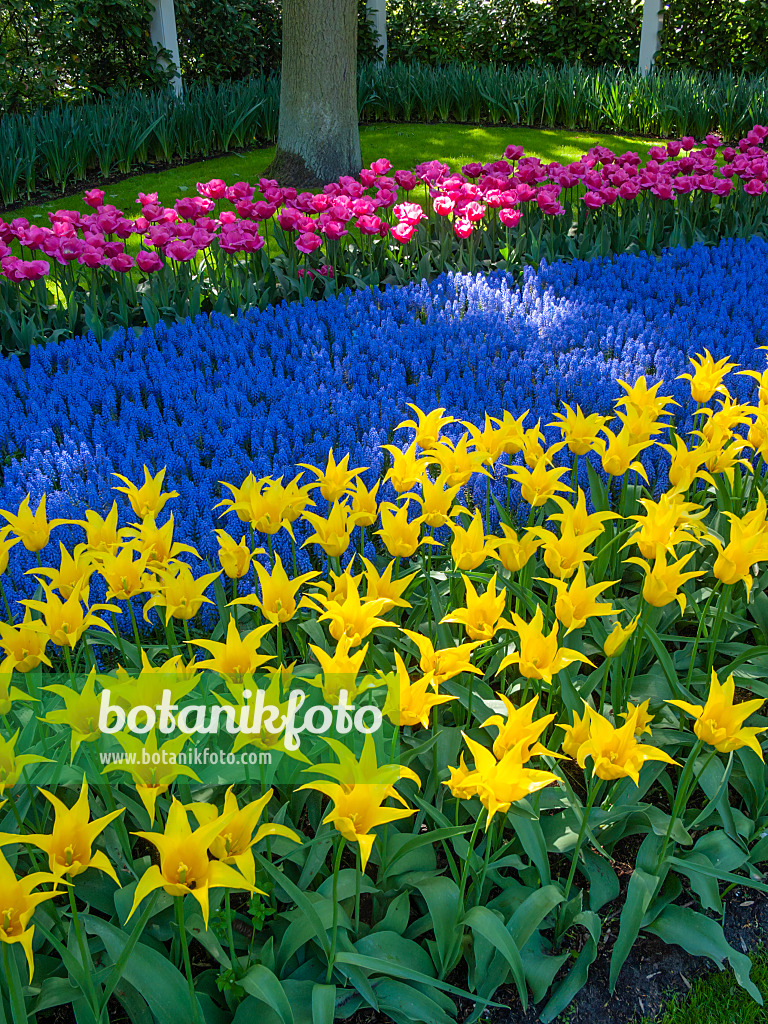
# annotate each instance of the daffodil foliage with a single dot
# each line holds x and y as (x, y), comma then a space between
(558, 697)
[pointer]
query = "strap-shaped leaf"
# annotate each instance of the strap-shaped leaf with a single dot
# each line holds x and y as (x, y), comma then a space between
(260, 982)
(491, 927)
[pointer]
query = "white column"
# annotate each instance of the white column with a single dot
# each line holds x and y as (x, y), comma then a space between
(163, 33)
(653, 16)
(377, 15)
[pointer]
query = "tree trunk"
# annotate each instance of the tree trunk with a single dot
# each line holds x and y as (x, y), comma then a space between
(317, 137)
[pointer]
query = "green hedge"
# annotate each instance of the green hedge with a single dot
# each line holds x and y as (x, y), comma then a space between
(63, 49)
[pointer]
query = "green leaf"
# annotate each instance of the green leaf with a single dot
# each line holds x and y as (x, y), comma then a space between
(576, 978)
(641, 890)
(491, 927)
(406, 1004)
(603, 882)
(377, 966)
(442, 898)
(152, 973)
(701, 936)
(394, 948)
(262, 984)
(323, 1004)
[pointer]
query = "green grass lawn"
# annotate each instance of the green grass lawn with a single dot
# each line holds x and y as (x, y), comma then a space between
(403, 144)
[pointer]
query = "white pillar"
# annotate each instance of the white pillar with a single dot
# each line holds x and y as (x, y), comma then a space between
(653, 16)
(377, 15)
(163, 33)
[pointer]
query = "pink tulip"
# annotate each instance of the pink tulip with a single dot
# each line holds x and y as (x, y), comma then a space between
(381, 166)
(227, 217)
(213, 189)
(147, 199)
(333, 229)
(148, 261)
(181, 250)
(91, 257)
(463, 227)
(288, 219)
(754, 187)
(371, 225)
(406, 180)
(367, 177)
(121, 263)
(593, 200)
(664, 190)
(509, 218)
(94, 198)
(443, 206)
(308, 242)
(472, 170)
(363, 207)
(240, 190)
(411, 213)
(403, 232)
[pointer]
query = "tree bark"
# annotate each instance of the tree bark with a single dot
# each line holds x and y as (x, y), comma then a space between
(317, 137)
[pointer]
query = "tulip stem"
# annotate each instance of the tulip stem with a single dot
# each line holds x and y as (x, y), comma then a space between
(714, 636)
(135, 626)
(699, 631)
(465, 866)
(335, 922)
(230, 936)
(6, 603)
(358, 886)
(93, 998)
(594, 789)
(14, 986)
(179, 900)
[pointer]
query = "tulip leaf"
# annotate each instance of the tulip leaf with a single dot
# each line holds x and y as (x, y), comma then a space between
(300, 899)
(414, 843)
(486, 923)
(396, 949)
(152, 973)
(577, 976)
(701, 936)
(442, 898)
(262, 984)
(405, 1004)
(323, 1004)
(641, 890)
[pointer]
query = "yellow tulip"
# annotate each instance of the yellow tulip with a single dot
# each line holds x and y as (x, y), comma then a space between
(539, 484)
(618, 453)
(80, 713)
(238, 655)
(482, 615)
(64, 622)
(179, 593)
(235, 557)
(515, 552)
(436, 499)
(707, 376)
(576, 517)
(667, 522)
(576, 735)
(576, 602)
(364, 505)
(6, 543)
(151, 779)
(512, 432)
(158, 542)
(640, 715)
(427, 426)
(615, 753)
(499, 784)
(446, 662)
(564, 554)
(17, 905)
(185, 869)
(339, 670)
(663, 582)
(686, 464)
(351, 618)
(24, 644)
(32, 529)
(408, 702)
(579, 432)
(408, 468)
(618, 638)
(720, 722)
(101, 535)
(456, 461)
(518, 729)
(148, 500)
(278, 593)
(382, 586)
(539, 656)
(401, 538)
(125, 575)
(12, 764)
(748, 545)
(336, 479)
(334, 532)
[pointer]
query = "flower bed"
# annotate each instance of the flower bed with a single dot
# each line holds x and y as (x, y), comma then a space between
(244, 245)
(545, 700)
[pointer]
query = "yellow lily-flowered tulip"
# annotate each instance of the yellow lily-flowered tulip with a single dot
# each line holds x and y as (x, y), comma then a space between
(615, 753)
(512, 432)
(401, 538)
(757, 435)
(185, 869)
(408, 467)
(151, 779)
(179, 593)
(761, 376)
(80, 712)
(74, 572)
(238, 655)
(101, 535)
(482, 615)
(579, 432)
(470, 546)
(747, 546)
(12, 764)
(576, 735)
(539, 656)
(334, 532)
(32, 529)
(64, 622)
(667, 522)
(10, 694)
(408, 702)
(515, 552)
(125, 575)
(463, 781)
(158, 541)
(17, 905)
(564, 554)
(358, 794)
(618, 638)
(240, 831)
(456, 461)
(499, 784)
(719, 722)
(268, 506)
(427, 426)
(640, 715)
(540, 483)
(148, 500)
(446, 662)
(6, 544)
(69, 845)
(278, 593)
(492, 440)
(518, 729)
(270, 736)
(663, 582)
(436, 500)
(363, 502)
(240, 502)
(577, 518)
(235, 557)
(686, 465)
(340, 670)
(24, 644)
(533, 448)
(707, 377)
(576, 602)
(644, 401)
(618, 453)
(336, 479)
(351, 618)
(146, 689)
(383, 587)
